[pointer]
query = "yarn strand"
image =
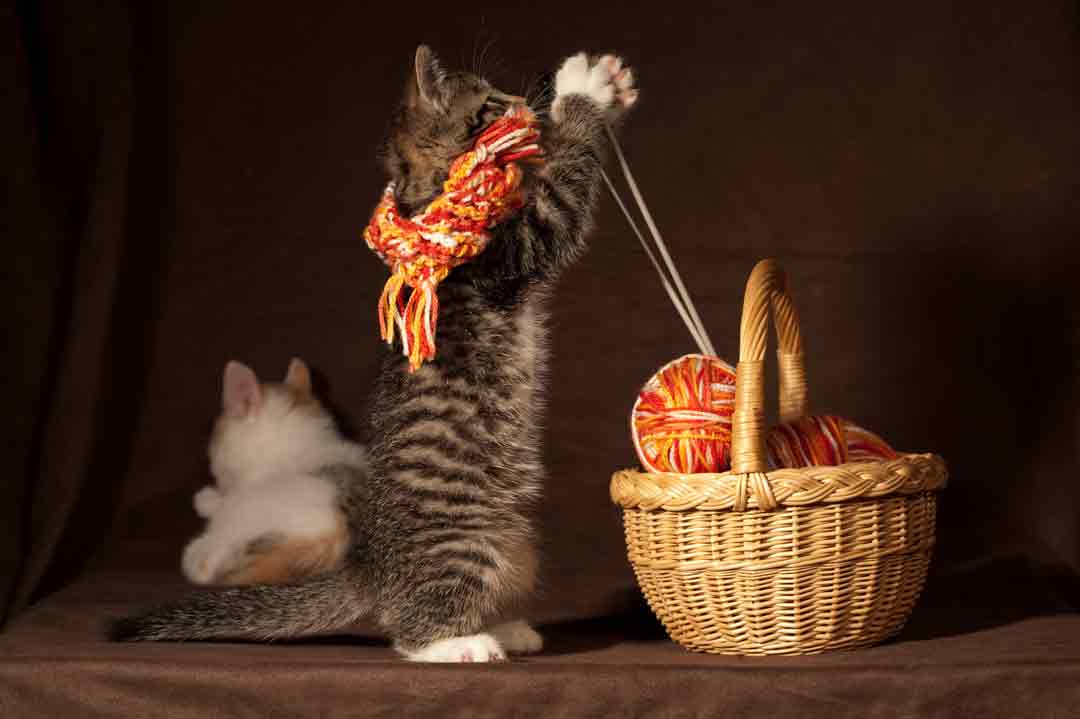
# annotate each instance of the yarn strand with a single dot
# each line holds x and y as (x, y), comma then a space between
(695, 332)
(659, 240)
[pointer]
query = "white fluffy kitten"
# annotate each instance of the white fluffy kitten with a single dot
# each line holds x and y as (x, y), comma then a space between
(273, 515)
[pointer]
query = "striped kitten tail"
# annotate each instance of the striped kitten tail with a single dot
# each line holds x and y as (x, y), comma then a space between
(261, 612)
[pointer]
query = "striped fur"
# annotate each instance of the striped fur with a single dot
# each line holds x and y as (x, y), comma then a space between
(442, 543)
(456, 467)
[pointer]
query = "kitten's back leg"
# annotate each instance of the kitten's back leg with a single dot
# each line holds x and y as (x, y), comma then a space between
(517, 637)
(276, 559)
(273, 557)
(438, 611)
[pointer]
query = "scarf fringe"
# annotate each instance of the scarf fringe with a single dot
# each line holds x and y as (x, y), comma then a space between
(390, 309)
(421, 314)
(415, 320)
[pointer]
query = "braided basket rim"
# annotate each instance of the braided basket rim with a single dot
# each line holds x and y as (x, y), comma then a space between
(791, 487)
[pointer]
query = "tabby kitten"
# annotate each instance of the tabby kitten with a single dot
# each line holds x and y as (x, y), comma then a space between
(441, 546)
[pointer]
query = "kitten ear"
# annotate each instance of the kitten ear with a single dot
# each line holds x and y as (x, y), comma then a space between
(299, 376)
(425, 84)
(241, 394)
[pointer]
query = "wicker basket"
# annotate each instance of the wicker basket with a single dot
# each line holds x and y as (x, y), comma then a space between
(793, 561)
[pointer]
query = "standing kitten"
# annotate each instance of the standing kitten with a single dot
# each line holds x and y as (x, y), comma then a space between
(441, 544)
(273, 515)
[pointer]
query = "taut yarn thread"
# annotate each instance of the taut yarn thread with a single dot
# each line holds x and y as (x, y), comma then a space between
(683, 419)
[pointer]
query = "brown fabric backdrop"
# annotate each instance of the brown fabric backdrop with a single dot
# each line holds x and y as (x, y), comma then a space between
(186, 183)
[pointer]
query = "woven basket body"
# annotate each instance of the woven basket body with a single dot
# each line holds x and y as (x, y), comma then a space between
(793, 561)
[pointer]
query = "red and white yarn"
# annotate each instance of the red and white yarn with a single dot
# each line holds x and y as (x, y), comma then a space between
(681, 421)
(482, 190)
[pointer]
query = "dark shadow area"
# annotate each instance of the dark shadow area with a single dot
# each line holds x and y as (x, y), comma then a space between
(989, 595)
(583, 635)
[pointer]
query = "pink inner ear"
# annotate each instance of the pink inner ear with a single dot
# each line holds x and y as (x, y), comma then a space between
(241, 395)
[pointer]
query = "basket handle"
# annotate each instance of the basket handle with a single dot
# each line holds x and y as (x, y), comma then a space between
(766, 290)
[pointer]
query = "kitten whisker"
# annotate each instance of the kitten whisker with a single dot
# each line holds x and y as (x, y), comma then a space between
(483, 55)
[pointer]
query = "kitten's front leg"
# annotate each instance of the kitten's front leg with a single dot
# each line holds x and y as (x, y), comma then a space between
(457, 650)
(207, 501)
(554, 223)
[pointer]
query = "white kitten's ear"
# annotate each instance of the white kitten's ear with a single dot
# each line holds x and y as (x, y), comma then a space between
(299, 376)
(425, 85)
(241, 394)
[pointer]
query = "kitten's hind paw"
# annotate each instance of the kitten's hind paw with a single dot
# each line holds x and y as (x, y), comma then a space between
(197, 561)
(475, 648)
(518, 637)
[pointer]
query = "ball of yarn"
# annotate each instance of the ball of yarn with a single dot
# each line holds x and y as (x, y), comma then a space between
(823, 441)
(681, 421)
(865, 446)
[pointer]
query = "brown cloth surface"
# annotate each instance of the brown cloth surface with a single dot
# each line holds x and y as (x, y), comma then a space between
(992, 640)
(186, 183)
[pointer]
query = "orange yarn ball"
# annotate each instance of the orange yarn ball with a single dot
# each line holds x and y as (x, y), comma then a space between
(823, 441)
(681, 421)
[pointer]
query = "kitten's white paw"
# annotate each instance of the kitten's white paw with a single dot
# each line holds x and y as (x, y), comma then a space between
(207, 500)
(199, 563)
(607, 82)
(475, 648)
(518, 637)
(577, 77)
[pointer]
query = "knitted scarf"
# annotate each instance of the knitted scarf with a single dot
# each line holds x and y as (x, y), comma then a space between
(481, 191)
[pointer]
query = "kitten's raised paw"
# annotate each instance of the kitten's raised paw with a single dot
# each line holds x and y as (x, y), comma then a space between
(606, 80)
(475, 648)
(622, 76)
(206, 501)
(518, 637)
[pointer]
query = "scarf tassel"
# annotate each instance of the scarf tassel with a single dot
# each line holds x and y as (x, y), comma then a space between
(421, 316)
(390, 306)
(415, 320)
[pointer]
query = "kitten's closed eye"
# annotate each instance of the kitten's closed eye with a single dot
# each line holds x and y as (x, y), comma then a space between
(481, 118)
(475, 122)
